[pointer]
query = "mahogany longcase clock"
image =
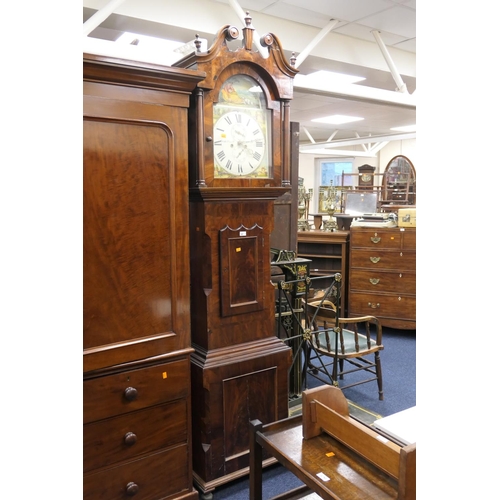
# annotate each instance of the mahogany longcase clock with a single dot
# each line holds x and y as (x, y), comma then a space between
(239, 165)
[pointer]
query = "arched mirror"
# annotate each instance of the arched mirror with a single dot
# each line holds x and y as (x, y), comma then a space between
(399, 184)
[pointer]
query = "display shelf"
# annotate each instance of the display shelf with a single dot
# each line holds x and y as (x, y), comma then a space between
(328, 254)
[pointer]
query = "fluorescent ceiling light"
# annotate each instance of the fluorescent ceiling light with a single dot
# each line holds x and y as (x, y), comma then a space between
(407, 128)
(337, 119)
(324, 79)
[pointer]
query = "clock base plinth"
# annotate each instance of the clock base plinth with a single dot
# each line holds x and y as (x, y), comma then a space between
(207, 489)
(232, 386)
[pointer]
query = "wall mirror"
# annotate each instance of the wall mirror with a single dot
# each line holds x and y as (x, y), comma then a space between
(399, 183)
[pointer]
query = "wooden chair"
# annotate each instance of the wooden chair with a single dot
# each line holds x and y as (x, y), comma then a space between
(349, 342)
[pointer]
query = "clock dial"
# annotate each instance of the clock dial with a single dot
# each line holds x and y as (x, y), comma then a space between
(366, 177)
(241, 134)
(239, 144)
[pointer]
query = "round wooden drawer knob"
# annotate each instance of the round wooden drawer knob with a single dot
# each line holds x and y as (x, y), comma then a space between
(131, 489)
(130, 393)
(130, 438)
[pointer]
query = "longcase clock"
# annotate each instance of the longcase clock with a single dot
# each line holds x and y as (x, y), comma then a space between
(239, 165)
(365, 180)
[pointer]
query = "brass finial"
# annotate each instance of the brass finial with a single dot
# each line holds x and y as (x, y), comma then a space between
(248, 20)
(248, 32)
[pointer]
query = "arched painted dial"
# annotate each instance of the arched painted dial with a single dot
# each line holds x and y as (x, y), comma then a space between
(239, 143)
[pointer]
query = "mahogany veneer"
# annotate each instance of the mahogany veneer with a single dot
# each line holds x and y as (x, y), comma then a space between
(136, 338)
(382, 275)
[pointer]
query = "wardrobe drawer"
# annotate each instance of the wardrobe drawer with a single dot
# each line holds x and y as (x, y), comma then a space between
(155, 476)
(380, 259)
(388, 306)
(123, 438)
(112, 395)
(383, 281)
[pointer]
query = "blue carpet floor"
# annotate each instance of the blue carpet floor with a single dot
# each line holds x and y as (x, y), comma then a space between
(275, 480)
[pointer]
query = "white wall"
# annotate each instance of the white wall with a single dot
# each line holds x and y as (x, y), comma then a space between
(406, 148)
(308, 169)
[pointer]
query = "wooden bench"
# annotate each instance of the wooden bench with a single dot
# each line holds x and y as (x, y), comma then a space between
(334, 455)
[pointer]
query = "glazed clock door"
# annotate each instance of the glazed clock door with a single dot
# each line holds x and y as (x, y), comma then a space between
(242, 144)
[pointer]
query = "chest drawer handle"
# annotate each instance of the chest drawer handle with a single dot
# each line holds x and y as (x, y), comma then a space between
(375, 239)
(132, 488)
(373, 306)
(130, 393)
(130, 438)
(374, 259)
(374, 281)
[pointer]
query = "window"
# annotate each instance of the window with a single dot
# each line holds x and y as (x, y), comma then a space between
(331, 170)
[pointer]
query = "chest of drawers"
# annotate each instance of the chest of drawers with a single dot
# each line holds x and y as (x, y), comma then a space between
(135, 422)
(382, 275)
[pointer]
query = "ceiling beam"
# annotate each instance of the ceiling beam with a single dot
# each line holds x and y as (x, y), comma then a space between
(206, 18)
(337, 152)
(354, 142)
(375, 149)
(388, 59)
(304, 53)
(101, 15)
(361, 93)
(309, 135)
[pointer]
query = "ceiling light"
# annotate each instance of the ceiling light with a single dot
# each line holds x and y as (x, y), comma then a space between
(407, 128)
(337, 119)
(324, 79)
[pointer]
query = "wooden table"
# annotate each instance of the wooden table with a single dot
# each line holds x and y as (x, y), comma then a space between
(323, 464)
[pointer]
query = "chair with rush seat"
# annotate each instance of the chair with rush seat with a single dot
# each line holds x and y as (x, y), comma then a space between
(353, 344)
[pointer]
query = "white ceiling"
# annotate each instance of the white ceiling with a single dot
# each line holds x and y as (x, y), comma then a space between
(349, 47)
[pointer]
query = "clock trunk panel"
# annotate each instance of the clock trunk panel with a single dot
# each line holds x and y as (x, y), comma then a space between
(231, 290)
(241, 271)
